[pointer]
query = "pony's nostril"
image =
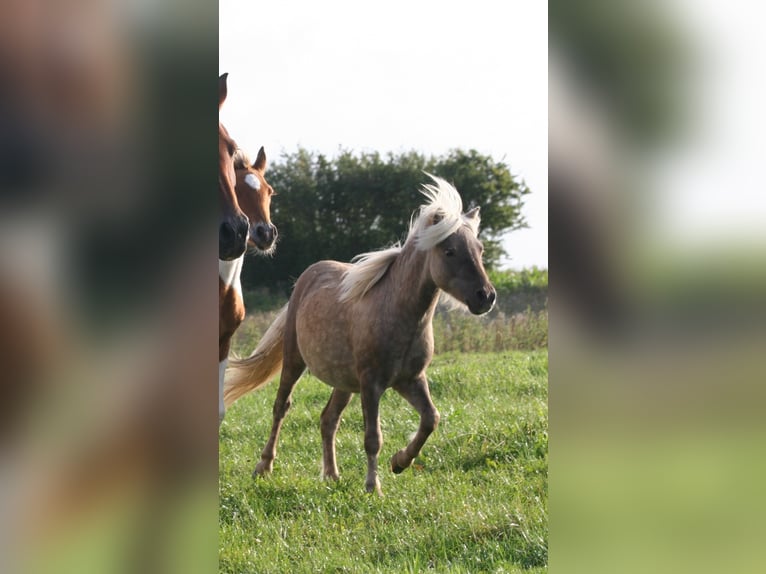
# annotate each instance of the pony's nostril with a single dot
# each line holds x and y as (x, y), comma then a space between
(485, 295)
(273, 230)
(265, 233)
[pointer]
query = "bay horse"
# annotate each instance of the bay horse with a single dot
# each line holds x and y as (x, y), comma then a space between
(252, 197)
(367, 326)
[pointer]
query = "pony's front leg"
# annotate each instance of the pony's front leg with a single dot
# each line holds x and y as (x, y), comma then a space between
(373, 437)
(418, 395)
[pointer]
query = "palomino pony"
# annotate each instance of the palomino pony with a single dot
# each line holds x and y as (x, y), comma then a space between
(367, 326)
(252, 196)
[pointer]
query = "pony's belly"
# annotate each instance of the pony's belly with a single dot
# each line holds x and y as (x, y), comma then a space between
(324, 327)
(337, 377)
(328, 357)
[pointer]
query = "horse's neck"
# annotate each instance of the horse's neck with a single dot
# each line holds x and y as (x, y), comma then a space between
(414, 290)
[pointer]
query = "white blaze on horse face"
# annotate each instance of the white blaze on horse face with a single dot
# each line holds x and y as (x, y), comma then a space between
(252, 180)
(229, 272)
(221, 407)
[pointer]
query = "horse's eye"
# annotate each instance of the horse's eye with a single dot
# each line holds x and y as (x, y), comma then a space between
(449, 252)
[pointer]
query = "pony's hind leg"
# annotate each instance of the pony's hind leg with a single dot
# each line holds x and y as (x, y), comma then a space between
(291, 371)
(329, 426)
(418, 395)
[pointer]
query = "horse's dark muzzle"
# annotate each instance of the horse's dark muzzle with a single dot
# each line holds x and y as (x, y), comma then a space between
(263, 235)
(483, 300)
(232, 238)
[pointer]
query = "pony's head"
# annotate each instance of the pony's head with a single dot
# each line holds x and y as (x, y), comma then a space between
(233, 228)
(254, 196)
(454, 250)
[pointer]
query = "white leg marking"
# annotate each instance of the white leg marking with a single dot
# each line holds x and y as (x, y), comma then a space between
(221, 407)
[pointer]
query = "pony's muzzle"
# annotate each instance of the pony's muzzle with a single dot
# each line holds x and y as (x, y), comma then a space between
(484, 300)
(264, 235)
(232, 238)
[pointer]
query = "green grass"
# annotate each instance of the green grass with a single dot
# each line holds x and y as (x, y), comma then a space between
(496, 331)
(531, 278)
(474, 501)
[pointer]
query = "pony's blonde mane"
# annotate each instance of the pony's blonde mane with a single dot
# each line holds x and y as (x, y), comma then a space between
(438, 218)
(241, 159)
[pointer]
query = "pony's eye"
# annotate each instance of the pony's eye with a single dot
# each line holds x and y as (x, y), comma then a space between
(449, 252)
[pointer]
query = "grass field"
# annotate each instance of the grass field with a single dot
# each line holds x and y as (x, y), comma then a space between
(474, 501)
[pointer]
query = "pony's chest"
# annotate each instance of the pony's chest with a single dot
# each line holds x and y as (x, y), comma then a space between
(405, 357)
(417, 358)
(231, 310)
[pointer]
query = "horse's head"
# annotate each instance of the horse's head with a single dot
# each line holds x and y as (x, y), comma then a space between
(254, 195)
(456, 267)
(233, 230)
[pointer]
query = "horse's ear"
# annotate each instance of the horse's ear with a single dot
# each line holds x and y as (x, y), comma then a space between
(222, 90)
(260, 162)
(473, 214)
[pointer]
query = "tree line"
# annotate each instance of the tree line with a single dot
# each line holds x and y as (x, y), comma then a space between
(336, 208)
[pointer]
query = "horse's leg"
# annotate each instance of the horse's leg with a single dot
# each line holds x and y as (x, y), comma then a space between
(221, 407)
(329, 425)
(292, 369)
(418, 395)
(373, 437)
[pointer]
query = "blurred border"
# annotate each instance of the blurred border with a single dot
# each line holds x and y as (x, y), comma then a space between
(657, 287)
(108, 441)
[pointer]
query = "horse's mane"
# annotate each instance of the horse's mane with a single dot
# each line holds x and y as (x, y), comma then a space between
(367, 270)
(437, 219)
(241, 159)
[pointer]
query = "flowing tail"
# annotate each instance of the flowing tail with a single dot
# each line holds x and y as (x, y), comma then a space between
(263, 364)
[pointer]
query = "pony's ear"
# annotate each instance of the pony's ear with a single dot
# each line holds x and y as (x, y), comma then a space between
(222, 90)
(473, 214)
(260, 162)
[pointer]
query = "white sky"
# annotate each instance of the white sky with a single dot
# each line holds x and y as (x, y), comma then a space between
(396, 76)
(713, 188)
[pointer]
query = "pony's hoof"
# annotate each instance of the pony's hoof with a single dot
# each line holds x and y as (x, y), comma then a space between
(397, 468)
(261, 469)
(374, 488)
